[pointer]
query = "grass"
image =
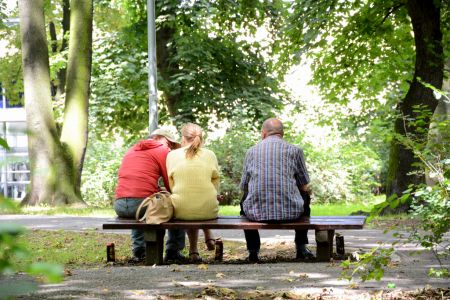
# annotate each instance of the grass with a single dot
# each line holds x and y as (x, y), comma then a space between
(333, 209)
(69, 211)
(88, 248)
(72, 249)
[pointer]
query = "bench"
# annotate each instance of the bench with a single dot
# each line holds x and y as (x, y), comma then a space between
(324, 230)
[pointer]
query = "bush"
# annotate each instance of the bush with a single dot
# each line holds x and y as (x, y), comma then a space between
(344, 171)
(99, 178)
(230, 151)
(429, 204)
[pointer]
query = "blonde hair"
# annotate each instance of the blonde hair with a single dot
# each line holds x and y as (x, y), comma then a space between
(193, 134)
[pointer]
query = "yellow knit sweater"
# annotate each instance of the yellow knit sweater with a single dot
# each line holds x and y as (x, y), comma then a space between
(194, 184)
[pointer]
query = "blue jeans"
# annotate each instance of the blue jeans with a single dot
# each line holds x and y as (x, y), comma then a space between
(126, 208)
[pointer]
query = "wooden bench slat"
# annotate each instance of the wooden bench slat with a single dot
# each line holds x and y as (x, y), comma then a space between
(316, 222)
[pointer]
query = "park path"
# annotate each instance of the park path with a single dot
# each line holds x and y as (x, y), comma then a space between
(189, 281)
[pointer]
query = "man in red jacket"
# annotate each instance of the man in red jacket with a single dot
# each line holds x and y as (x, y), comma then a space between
(142, 166)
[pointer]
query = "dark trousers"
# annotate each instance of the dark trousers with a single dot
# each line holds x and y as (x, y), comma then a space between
(301, 236)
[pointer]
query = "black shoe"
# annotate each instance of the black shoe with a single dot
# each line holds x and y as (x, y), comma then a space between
(174, 256)
(305, 253)
(138, 255)
(253, 257)
(136, 260)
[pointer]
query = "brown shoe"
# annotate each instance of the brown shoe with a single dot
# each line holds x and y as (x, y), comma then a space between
(210, 244)
(194, 257)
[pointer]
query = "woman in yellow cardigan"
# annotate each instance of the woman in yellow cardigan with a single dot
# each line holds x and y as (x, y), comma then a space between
(193, 174)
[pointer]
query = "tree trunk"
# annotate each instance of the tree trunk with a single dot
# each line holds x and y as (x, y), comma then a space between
(65, 24)
(425, 18)
(50, 182)
(439, 136)
(164, 35)
(75, 127)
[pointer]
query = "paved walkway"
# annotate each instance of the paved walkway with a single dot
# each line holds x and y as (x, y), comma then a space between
(189, 281)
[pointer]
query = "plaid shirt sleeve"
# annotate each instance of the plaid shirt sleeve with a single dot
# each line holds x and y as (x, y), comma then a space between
(301, 175)
(245, 173)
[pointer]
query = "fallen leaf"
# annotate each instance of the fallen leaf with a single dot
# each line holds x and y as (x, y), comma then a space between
(203, 267)
(353, 285)
(137, 292)
(220, 275)
(175, 283)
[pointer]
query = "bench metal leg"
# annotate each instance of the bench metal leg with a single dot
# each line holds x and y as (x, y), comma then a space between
(324, 240)
(154, 246)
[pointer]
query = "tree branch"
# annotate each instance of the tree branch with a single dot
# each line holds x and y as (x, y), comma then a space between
(54, 41)
(391, 10)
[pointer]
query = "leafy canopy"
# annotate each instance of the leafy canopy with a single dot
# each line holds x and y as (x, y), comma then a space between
(214, 64)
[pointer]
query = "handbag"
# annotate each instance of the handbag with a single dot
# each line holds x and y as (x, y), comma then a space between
(159, 208)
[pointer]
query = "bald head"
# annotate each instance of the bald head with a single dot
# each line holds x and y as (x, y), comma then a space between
(272, 126)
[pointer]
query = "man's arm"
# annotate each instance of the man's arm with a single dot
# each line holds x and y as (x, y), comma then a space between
(244, 182)
(302, 180)
(163, 170)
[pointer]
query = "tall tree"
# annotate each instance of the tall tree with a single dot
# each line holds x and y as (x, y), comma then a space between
(364, 50)
(429, 65)
(55, 160)
(50, 179)
(75, 126)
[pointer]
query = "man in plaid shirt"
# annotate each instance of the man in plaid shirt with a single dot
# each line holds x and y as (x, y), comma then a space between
(275, 185)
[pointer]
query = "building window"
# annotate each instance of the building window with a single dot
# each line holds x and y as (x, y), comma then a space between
(14, 163)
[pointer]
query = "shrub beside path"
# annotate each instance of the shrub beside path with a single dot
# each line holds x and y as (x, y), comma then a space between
(284, 279)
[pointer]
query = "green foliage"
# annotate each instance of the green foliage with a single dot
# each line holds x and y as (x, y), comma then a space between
(367, 266)
(99, 176)
(439, 273)
(3, 144)
(230, 151)
(209, 67)
(2, 14)
(221, 76)
(119, 101)
(359, 49)
(347, 170)
(11, 65)
(430, 204)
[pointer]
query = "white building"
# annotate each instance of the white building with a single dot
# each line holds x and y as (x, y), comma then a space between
(14, 163)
